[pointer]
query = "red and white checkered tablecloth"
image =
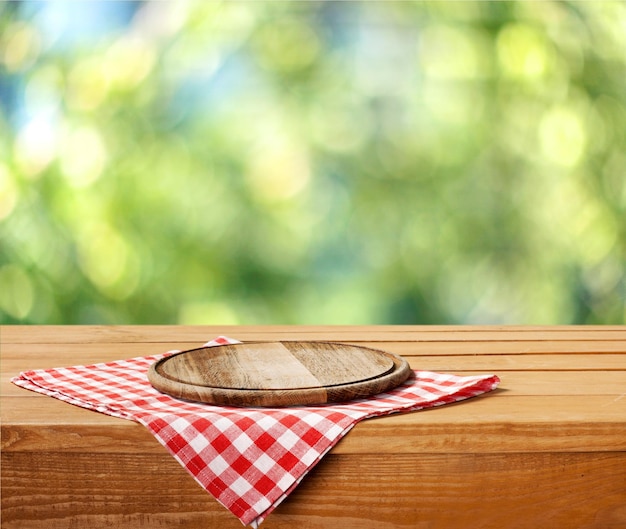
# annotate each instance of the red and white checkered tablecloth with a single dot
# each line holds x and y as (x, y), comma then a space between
(249, 459)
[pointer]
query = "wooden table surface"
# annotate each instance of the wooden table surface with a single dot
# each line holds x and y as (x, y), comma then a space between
(546, 449)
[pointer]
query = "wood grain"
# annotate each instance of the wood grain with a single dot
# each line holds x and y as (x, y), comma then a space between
(491, 424)
(278, 373)
(440, 491)
(198, 334)
(547, 449)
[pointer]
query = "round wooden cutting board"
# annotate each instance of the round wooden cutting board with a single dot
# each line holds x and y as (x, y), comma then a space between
(278, 373)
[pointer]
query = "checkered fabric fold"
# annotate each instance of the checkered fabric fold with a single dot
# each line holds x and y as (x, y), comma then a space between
(249, 459)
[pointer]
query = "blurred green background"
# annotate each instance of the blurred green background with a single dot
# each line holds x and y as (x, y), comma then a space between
(313, 162)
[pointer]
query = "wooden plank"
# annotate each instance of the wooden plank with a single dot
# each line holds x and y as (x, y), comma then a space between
(456, 491)
(502, 347)
(113, 351)
(49, 357)
(169, 334)
(503, 424)
(438, 491)
(55, 354)
(560, 383)
(490, 423)
(557, 383)
(528, 362)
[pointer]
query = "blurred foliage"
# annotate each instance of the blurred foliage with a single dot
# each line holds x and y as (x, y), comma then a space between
(313, 162)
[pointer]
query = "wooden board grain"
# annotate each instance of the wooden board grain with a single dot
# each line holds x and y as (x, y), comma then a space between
(531, 356)
(514, 382)
(434, 491)
(198, 334)
(278, 373)
(493, 423)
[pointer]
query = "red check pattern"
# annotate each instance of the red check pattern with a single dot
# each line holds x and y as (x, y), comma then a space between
(249, 459)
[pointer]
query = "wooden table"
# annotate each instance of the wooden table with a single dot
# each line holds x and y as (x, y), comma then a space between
(547, 449)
